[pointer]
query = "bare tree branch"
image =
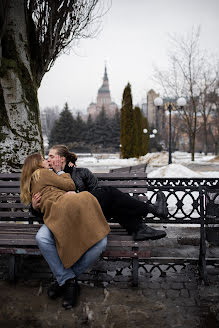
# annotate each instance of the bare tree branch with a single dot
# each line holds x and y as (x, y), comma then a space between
(56, 23)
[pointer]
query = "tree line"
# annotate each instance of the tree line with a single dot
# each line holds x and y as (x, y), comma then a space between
(127, 131)
(94, 135)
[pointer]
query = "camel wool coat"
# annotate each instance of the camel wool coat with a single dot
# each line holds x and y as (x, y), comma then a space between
(75, 219)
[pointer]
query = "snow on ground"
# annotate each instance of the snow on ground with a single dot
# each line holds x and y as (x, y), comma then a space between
(180, 171)
(157, 164)
(173, 171)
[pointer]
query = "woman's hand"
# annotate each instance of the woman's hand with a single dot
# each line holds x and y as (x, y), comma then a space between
(70, 164)
(36, 201)
(71, 192)
(57, 164)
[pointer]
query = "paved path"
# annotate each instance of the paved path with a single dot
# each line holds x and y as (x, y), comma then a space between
(166, 303)
(172, 301)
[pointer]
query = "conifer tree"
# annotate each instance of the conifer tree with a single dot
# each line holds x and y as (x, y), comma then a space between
(64, 129)
(88, 136)
(102, 130)
(80, 128)
(115, 137)
(127, 124)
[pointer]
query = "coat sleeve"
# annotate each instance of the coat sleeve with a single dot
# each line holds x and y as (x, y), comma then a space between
(63, 181)
(90, 180)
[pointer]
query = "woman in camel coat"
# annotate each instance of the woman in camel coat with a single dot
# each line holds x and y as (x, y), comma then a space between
(75, 219)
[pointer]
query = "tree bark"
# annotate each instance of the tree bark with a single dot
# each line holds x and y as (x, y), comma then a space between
(20, 128)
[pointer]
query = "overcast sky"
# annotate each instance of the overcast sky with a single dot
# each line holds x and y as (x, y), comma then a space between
(134, 38)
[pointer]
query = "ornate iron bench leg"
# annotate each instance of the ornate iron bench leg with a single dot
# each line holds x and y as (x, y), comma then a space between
(202, 252)
(11, 270)
(135, 266)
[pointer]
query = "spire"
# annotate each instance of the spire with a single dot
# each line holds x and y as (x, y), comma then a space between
(105, 85)
(105, 78)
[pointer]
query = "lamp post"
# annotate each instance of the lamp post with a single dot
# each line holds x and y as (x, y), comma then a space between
(181, 102)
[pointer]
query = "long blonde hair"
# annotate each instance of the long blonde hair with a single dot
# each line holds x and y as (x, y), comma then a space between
(31, 167)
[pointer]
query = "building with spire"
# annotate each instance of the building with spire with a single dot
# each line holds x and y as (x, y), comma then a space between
(103, 100)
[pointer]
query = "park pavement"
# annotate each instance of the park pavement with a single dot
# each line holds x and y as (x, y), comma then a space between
(176, 300)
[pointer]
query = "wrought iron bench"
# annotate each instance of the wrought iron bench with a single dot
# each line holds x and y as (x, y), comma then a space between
(18, 226)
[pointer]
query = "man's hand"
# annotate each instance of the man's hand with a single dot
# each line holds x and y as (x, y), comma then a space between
(36, 201)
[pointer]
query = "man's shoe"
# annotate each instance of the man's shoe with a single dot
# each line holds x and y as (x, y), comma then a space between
(71, 294)
(54, 290)
(146, 233)
(160, 206)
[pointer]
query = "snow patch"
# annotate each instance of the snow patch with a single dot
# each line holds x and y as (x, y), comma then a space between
(173, 171)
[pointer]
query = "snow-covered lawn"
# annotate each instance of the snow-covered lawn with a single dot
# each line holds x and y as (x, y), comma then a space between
(157, 164)
(180, 171)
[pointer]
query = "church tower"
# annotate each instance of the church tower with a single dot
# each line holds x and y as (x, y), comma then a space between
(103, 100)
(103, 95)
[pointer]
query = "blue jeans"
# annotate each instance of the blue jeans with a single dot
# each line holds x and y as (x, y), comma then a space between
(47, 246)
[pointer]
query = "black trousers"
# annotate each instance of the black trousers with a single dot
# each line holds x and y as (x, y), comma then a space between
(125, 209)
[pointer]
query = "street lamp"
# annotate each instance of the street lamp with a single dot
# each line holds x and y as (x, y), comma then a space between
(145, 131)
(181, 102)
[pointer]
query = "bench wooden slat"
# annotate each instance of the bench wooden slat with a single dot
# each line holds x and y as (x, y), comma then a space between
(20, 251)
(13, 205)
(9, 184)
(133, 168)
(10, 175)
(126, 254)
(123, 184)
(120, 176)
(10, 197)
(18, 242)
(14, 214)
(134, 190)
(9, 190)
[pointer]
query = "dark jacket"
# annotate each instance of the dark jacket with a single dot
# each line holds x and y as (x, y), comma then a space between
(83, 178)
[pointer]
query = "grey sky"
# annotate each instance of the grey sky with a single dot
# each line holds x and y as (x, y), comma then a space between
(134, 37)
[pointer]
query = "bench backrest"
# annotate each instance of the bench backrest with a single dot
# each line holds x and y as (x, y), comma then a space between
(182, 195)
(141, 168)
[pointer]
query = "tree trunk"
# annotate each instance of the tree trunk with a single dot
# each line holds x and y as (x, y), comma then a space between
(20, 128)
(193, 147)
(205, 135)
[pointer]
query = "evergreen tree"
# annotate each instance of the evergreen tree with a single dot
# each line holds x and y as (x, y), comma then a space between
(102, 131)
(127, 124)
(115, 123)
(64, 129)
(80, 128)
(138, 132)
(88, 136)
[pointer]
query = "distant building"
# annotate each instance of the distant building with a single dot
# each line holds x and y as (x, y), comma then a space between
(155, 116)
(103, 100)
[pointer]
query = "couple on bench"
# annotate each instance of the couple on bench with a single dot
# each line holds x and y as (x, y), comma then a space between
(75, 212)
